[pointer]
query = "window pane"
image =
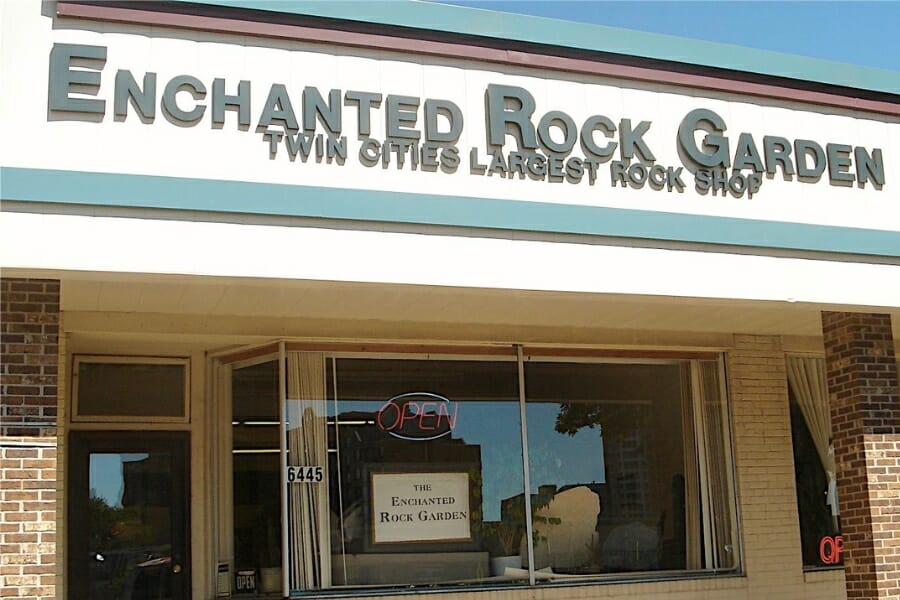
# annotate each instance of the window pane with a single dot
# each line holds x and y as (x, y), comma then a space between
(256, 467)
(606, 458)
(130, 390)
(130, 526)
(408, 472)
(814, 464)
(424, 480)
(818, 526)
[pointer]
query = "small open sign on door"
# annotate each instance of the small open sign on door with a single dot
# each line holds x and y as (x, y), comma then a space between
(245, 581)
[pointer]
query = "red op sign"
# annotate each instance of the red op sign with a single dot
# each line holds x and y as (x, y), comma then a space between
(830, 549)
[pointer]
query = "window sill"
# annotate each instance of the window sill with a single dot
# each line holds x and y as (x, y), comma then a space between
(676, 582)
(830, 574)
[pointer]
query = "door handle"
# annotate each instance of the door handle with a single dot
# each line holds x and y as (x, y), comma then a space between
(176, 568)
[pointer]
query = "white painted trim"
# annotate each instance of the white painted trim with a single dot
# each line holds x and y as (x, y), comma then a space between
(526, 465)
(115, 244)
(283, 451)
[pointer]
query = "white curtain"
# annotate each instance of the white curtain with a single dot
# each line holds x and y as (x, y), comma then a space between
(716, 485)
(806, 376)
(694, 539)
(307, 444)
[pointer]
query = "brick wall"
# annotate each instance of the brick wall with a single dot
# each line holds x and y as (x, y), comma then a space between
(29, 362)
(861, 370)
(29, 317)
(28, 526)
(764, 461)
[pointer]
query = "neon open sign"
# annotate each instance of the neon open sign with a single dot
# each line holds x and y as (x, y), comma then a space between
(418, 416)
(830, 549)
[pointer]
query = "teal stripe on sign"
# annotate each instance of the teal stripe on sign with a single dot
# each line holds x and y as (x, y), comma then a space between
(145, 191)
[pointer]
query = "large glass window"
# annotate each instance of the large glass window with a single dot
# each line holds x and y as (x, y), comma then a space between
(410, 471)
(422, 480)
(616, 484)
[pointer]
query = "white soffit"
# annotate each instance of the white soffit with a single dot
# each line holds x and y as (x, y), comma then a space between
(128, 245)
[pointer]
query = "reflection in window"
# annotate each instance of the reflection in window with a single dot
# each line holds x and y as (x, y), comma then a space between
(607, 466)
(424, 475)
(409, 471)
(615, 481)
(129, 525)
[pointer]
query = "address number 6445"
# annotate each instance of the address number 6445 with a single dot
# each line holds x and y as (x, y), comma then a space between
(305, 474)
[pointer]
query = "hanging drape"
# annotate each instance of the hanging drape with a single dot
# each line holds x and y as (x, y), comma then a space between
(693, 536)
(712, 431)
(806, 376)
(307, 445)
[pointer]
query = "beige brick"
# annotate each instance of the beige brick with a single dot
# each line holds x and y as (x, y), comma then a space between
(17, 559)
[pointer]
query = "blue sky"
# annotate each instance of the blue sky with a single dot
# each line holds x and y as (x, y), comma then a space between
(861, 33)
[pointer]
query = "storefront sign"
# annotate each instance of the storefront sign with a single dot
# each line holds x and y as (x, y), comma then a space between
(830, 549)
(418, 416)
(420, 507)
(245, 581)
(423, 134)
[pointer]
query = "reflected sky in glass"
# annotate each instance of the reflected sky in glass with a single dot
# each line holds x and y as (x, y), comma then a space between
(560, 459)
(107, 480)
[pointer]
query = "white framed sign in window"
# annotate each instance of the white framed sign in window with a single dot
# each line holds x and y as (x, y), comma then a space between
(420, 507)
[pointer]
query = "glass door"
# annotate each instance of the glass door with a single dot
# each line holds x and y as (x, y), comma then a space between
(128, 516)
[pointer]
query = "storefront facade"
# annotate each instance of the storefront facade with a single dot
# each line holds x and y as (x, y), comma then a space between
(314, 299)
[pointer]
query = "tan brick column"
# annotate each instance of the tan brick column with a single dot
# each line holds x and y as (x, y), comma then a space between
(861, 370)
(757, 381)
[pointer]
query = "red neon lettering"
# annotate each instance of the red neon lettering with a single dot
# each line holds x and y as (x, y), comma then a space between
(381, 412)
(444, 412)
(426, 416)
(423, 414)
(826, 545)
(408, 414)
(830, 549)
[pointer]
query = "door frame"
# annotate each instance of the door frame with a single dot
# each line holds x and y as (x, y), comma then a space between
(81, 444)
